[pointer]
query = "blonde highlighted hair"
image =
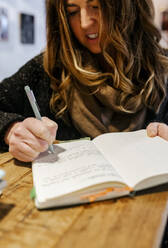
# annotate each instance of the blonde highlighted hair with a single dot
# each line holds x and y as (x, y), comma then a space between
(130, 48)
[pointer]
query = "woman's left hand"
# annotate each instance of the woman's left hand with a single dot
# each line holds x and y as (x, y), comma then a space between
(157, 129)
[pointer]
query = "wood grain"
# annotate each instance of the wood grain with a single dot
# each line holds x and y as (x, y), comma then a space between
(129, 222)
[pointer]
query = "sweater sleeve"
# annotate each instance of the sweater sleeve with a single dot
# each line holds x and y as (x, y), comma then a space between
(14, 105)
(12, 98)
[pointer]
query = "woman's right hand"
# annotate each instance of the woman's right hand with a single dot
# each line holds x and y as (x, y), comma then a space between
(28, 138)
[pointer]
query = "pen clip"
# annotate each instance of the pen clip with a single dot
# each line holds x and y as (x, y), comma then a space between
(34, 99)
(29, 94)
(31, 97)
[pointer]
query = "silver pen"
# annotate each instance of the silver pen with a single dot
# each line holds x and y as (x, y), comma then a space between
(34, 106)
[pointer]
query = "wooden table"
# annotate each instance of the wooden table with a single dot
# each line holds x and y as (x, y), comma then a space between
(137, 222)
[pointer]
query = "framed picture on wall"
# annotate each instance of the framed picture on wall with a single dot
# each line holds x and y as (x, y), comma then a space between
(4, 24)
(27, 28)
(164, 21)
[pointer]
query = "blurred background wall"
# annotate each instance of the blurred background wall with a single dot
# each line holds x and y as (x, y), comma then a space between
(22, 33)
(161, 15)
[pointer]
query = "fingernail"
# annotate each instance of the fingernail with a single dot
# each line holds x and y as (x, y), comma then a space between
(151, 133)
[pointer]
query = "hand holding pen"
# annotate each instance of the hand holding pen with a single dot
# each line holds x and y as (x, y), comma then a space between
(27, 138)
(35, 108)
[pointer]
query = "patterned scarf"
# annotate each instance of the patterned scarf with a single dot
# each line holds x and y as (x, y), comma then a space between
(95, 114)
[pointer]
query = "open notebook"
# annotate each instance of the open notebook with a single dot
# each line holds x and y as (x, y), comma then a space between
(111, 165)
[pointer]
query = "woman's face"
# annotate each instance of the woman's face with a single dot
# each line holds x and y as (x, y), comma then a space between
(84, 20)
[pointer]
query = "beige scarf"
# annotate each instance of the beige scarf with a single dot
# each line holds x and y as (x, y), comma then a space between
(95, 114)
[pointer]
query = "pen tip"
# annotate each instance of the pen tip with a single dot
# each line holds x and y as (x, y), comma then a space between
(51, 149)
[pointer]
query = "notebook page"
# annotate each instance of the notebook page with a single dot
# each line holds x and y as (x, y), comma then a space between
(135, 156)
(74, 165)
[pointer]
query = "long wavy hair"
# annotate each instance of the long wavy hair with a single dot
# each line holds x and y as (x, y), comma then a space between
(136, 63)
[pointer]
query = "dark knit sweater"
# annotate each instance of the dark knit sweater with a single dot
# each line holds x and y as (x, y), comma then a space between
(14, 105)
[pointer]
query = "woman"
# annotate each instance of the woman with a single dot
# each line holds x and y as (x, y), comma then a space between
(103, 70)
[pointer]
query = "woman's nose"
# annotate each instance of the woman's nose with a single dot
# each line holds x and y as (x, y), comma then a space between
(86, 19)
